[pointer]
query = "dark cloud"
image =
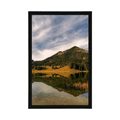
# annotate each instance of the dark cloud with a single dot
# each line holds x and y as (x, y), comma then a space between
(49, 32)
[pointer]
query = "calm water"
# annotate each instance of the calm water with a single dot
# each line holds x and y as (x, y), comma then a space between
(59, 90)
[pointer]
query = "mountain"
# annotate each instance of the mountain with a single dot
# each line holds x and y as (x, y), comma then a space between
(74, 55)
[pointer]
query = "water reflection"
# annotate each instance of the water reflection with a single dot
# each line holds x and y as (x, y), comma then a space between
(75, 84)
(43, 94)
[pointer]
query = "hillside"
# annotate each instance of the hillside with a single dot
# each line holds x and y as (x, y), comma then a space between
(74, 57)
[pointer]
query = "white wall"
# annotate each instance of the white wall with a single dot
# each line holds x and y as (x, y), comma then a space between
(14, 59)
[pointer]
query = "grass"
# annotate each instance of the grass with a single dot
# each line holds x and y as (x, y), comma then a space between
(64, 71)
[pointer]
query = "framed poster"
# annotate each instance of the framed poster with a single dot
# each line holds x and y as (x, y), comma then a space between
(60, 59)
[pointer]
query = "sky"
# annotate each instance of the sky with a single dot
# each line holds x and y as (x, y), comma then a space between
(53, 33)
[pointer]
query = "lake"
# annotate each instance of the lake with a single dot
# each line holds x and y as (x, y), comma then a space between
(54, 89)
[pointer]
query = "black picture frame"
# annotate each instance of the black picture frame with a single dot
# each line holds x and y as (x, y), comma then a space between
(30, 13)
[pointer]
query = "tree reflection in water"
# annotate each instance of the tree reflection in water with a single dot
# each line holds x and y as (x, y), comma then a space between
(75, 84)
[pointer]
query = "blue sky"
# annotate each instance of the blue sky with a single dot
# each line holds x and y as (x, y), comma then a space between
(53, 33)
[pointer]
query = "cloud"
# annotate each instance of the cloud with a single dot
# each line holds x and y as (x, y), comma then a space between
(43, 54)
(51, 33)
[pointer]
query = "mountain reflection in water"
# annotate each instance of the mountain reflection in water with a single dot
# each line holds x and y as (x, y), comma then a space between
(75, 84)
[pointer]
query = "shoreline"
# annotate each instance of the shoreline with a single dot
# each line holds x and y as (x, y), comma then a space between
(64, 71)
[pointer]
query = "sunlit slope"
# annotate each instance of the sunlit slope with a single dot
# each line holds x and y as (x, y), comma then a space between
(75, 55)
